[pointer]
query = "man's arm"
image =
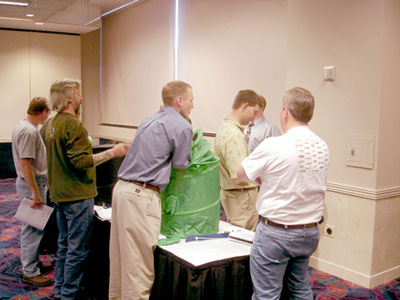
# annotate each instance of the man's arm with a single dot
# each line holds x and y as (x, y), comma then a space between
(116, 151)
(181, 157)
(29, 177)
(241, 175)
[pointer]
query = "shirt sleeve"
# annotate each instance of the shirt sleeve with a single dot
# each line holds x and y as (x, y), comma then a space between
(79, 147)
(254, 164)
(181, 156)
(27, 145)
(235, 150)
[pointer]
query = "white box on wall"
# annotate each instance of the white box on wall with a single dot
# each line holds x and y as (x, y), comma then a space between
(360, 150)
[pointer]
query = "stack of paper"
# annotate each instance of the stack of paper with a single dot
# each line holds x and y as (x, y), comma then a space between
(36, 217)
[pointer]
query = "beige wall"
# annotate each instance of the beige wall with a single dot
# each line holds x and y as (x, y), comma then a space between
(30, 62)
(388, 175)
(362, 39)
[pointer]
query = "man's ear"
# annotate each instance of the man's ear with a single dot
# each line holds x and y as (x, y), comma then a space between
(179, 100)
(286, 113)
(244, 106)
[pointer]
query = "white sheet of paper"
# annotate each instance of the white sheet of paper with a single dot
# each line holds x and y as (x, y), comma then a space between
(201, 252)
(103, 213)
(36, 217)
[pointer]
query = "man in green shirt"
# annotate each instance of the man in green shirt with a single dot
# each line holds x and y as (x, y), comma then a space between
(72, 184)
(238, 200)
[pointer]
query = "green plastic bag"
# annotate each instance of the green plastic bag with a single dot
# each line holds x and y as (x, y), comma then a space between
(191, 201)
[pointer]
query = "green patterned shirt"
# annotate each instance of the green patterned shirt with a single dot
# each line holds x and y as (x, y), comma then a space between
(231, 147)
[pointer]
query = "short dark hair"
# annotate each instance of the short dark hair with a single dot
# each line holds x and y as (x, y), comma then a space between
(246, 96)
(263, 102)
(300, 103)
(37, 106)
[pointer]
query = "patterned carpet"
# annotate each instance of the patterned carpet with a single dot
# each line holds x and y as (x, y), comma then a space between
(11, 284)
(324, 286)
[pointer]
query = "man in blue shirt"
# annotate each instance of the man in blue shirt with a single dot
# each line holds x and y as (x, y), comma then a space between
(162, 141)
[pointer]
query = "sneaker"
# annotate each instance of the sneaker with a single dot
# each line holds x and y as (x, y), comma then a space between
(38, 280)
(45, 267)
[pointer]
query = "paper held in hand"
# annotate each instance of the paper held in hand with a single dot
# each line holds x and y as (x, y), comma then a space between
(36, 217)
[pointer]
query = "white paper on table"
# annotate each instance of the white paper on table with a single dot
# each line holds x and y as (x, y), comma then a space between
(201, 252)
(35, 217)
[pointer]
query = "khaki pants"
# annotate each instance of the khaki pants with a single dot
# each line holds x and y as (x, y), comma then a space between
(135, 228)
(240, 207)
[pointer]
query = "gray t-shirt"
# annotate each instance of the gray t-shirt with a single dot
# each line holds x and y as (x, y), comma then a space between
(27, 143)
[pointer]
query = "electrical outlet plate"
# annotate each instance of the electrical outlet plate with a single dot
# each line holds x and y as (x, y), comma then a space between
(330, 231)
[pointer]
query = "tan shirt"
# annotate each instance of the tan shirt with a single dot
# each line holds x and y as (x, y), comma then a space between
(231, 147)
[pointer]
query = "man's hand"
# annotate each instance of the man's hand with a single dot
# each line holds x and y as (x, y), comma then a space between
(37, 201)
(120, 149)
(241, 175)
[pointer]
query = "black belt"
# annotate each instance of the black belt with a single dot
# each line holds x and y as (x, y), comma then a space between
(144, 185)
(297, 226)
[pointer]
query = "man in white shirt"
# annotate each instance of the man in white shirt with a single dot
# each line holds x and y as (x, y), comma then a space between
(261, 128)
(292, 170)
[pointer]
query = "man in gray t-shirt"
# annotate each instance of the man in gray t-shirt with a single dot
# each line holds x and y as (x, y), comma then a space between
(29, 155)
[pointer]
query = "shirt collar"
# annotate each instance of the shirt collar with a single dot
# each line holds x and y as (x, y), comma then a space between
(258, 121)
(234, 122)
(296, 129)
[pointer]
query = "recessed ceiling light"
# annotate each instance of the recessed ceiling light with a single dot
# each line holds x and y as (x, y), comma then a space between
(30, 15)
(14, 3)
(39, 23)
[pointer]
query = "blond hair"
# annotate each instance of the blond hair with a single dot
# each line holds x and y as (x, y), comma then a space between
(60, 91)
(174, 89)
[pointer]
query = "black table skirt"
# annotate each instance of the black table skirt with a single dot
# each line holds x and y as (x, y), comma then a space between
(174, 278)
(178, 279)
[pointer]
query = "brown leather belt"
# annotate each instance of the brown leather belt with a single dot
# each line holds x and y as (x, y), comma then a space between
(242, 189)
(144, 185)
(297, 226)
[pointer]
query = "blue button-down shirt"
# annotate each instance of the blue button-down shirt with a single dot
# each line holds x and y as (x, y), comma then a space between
(162, 140)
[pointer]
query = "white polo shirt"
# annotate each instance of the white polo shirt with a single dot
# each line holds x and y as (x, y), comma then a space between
(293, 169)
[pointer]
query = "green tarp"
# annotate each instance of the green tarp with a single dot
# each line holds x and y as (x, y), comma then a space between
(191, 201)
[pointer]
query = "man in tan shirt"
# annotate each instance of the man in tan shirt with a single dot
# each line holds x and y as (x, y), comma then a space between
(238, 200)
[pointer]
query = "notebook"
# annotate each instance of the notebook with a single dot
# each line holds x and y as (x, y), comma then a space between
(242, 236)
(36, 217)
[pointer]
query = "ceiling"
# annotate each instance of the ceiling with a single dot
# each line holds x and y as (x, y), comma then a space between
(69, 16)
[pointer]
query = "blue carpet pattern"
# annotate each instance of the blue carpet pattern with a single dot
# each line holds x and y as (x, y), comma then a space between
(324, 286)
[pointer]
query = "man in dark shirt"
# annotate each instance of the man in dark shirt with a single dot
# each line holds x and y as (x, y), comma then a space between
(162, 141)
(72, 184)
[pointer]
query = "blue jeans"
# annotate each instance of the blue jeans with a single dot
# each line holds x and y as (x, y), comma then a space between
(74, 220)
(30, 236)
(276, 251)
